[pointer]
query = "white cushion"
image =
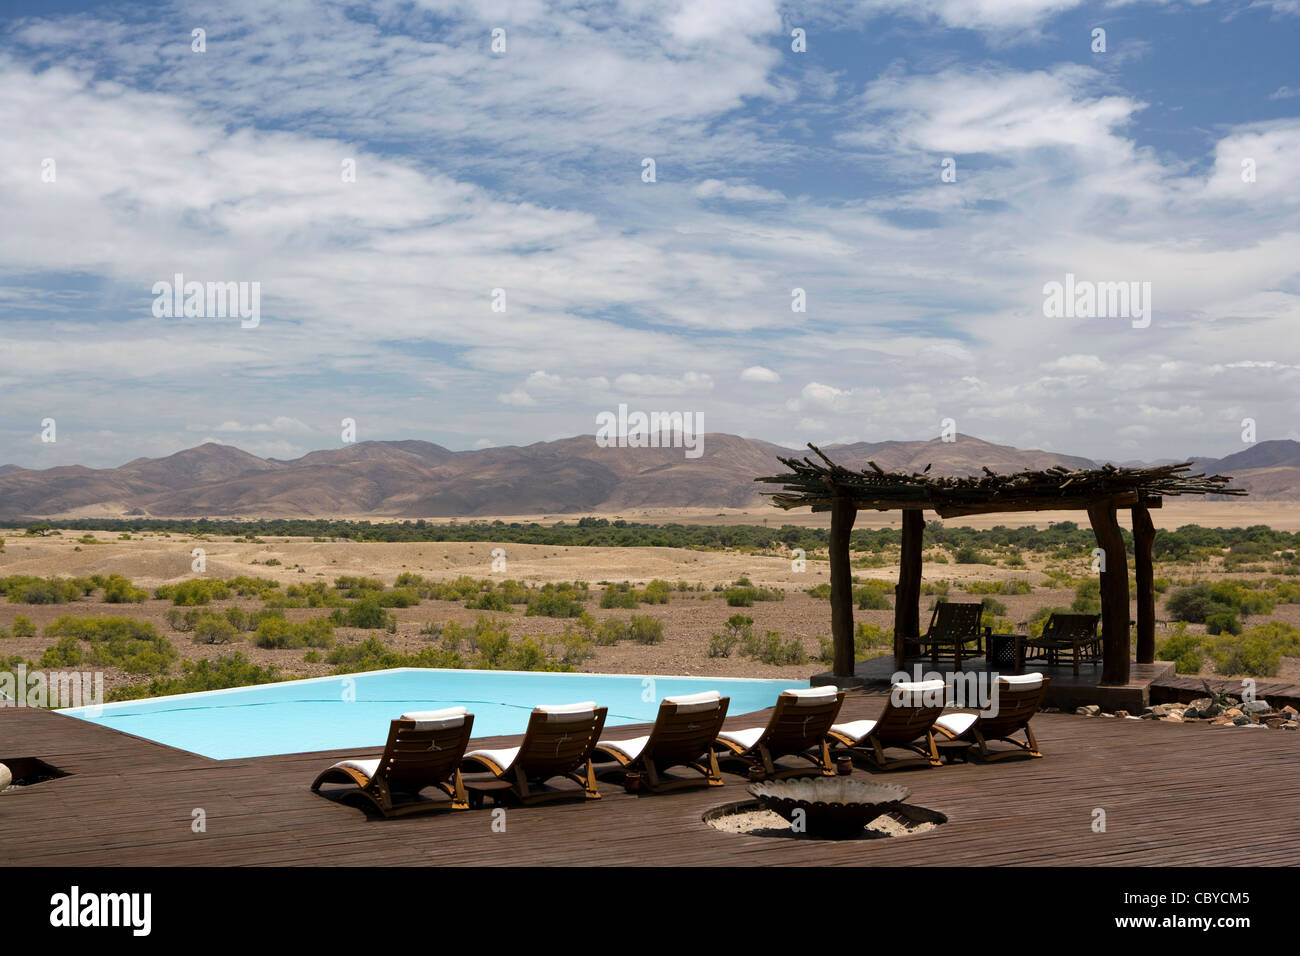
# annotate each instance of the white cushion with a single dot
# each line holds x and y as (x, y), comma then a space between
(501, 758)
(1022, 681)
(368, 767)
(437, 719)
(808, 696)
(631, 749)
(956, 724)
(691, 703)
(567, 711)
(921, 686)
(743, 738)
(856, 730)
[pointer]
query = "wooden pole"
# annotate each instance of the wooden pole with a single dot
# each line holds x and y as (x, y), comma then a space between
(843, 515)
(1114, 594)
(1144, 535)
(907, 624)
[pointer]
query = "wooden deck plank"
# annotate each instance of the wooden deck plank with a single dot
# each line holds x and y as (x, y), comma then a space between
(129, 802)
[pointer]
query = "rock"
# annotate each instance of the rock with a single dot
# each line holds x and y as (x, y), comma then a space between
(1090, 710)
(1231, 701)
(1221, 722)
(1241, 720)
(1291, 711)
(1233, 712)
(1121, 713)
(1291, 725)
(6, 777)
(1273, 723)
(1159, 710)
(1173, 719)
(1191, 713)
(1256, 707)
(1202, 703)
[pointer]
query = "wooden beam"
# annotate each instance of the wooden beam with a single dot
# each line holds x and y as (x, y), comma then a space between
(843, 514)
(1114, 594)
(1144, 536)
(907, 624)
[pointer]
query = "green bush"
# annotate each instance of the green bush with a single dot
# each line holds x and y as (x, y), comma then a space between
(656, 592)
(822, 591)
(1087, 597)
(645, 629)
(365, 613)
(118, 590)
(122, 642)
(1222, 622)
(618, 596)
(354, 586)
(215, 629)
(871, 641)
(1186, 650)
(489, 601)
(226, 671)
(277, 633)
(556, 600)
(23, 626)
(740, 597)
(1251, 654)
(194, 592)
(26, 589)
(739, 629)
(872, 596)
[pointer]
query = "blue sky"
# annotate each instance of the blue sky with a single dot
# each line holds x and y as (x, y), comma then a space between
(521, 170)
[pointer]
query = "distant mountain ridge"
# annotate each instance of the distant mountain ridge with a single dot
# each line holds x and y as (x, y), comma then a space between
(418, 479)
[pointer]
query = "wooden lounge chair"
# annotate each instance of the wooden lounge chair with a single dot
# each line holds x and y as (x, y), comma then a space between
(902, 725)
(1018, 700)
(683, 735)
(953, 626)
(1072, 634)
(558, 743)
(424, 749)
(798, 727)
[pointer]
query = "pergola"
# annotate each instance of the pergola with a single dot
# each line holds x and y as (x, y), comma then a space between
(1101, 492)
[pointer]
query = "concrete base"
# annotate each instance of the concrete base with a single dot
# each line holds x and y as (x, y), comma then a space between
(1065, 691)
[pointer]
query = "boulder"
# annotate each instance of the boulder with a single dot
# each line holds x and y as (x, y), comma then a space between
(1291, 725)
(1121, 713)
(1202, 703)
(1233, 712)
(1256, 707)
(1291, 712)
(1158, 710)
(6, 777)
(1191, 713)
(1241, 720)
(1221, 722)
(1089, 710)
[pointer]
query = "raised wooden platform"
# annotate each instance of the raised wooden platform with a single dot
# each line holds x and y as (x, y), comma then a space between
(1166, 789)
(1065, 691)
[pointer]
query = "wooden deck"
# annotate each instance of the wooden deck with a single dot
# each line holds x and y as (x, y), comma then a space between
(1173, 795)
(1066, 690)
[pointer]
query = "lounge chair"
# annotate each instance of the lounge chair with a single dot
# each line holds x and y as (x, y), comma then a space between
(1019, 698)
(798, 728)
(1071, 634)
(683, 735)
(424, 749)
(953, 625)
(558, 743)
(902, 726)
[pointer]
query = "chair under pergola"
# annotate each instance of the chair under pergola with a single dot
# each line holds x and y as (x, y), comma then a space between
(823, 485)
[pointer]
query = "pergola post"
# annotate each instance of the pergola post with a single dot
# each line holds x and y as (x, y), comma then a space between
(1114, 593)
(1144, 535)
(907, 622)
(843, 514)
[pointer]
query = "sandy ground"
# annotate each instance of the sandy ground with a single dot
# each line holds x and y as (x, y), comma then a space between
(689, 619)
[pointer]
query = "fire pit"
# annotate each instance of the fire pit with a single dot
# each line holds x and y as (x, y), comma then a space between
(834, 808)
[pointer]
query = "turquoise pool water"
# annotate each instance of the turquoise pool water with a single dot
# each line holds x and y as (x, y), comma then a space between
(333, 713)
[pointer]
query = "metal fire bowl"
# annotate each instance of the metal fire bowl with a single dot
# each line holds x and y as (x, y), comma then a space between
(835, 808)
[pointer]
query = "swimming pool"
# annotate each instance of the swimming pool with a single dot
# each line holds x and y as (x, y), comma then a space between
(333, 713)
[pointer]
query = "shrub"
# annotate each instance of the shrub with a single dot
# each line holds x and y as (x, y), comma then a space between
(738, 629)
(1087, 596)
(215, 629)
(992, 606)
(25, 589)
(611, 631)
(234, 670)
(871, 641)
(871, 596)
(645, 629)
(770, 649)
(134, 646)
(656, 592)
(276, 633)
(118, 590)
(556, 600)
(1250, 653)
(194, 592)
(618, 596)
(23, 626)
(1186, 650)
(1192, 604)
(1222, 622)
(354, 587)
(822, 591)
(489, 601)
(365, 613)
(740, 597)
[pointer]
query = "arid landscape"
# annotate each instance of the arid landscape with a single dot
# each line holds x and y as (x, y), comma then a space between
(695, 610)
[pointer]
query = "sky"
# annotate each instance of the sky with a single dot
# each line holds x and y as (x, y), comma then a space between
(498, 270)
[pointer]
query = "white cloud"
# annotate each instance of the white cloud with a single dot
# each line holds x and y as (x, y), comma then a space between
(759, 373)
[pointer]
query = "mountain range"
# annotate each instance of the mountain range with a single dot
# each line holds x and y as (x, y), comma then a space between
(418, 479)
